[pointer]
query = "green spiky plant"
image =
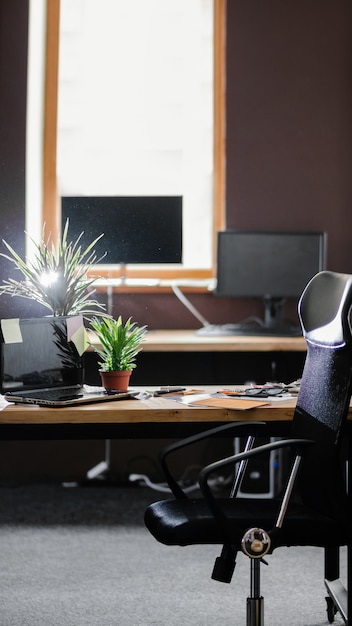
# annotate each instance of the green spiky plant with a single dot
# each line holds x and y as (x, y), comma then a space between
(57, 275)
(119, 343)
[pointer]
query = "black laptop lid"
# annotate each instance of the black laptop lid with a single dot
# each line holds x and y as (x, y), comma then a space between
(39, 353)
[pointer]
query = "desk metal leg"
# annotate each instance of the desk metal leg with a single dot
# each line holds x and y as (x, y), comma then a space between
(103, 466)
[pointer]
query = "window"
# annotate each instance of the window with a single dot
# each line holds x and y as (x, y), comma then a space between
(178, 153)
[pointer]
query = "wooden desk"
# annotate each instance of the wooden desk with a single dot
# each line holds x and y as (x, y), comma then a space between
(188, 340)
(147, 418)
(154, 410)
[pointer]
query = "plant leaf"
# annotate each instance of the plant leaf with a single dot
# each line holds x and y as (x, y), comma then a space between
(57, 275)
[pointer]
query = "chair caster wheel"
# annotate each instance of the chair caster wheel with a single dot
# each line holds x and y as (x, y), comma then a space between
(330, 609)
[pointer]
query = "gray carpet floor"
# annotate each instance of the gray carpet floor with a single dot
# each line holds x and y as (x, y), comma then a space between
(82, 557)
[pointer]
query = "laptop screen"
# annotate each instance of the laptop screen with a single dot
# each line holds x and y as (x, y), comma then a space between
(38, 353)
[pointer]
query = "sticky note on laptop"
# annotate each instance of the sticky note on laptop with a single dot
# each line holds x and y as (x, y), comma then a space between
(11, 330)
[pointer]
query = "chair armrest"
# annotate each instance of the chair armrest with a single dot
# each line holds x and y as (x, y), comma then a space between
(225, 429)
(233, 460)
(242, 456)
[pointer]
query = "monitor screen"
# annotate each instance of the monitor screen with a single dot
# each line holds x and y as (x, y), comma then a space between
(137, 230)
(276, 264)
(269, 265)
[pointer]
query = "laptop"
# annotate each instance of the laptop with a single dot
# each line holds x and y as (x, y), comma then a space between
(41, 361)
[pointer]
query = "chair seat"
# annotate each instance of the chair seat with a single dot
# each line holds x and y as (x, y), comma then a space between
(190, 521)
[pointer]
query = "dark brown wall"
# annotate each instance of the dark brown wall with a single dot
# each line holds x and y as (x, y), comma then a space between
(13, 85)
(289, 119)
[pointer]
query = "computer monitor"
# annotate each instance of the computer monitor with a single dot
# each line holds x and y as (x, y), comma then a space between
(137, 229)
(272, 266)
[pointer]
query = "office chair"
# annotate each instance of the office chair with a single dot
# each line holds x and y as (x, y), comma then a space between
(312, 508)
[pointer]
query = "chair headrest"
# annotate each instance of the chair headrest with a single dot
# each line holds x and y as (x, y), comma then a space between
(324, 309)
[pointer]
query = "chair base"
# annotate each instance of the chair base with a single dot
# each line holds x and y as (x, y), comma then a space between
(224, 565)
(337, 600)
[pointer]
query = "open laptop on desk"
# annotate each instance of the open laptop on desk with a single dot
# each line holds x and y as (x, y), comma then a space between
(41, 359)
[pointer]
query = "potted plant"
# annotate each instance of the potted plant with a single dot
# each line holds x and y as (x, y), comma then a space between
(117, 344)
(57, 276)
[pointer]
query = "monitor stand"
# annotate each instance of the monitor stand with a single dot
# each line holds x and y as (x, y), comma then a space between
(274, 318)
(273, 324)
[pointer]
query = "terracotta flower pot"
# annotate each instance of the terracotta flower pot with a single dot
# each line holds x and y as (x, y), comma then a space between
(118, 380)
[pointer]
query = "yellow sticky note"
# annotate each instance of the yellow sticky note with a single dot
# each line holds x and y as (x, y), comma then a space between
(11, 330)
(80, 339)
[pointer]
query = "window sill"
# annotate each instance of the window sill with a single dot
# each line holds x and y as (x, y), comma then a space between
(153, 285)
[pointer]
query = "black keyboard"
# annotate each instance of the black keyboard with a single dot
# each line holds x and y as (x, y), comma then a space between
(221, 330)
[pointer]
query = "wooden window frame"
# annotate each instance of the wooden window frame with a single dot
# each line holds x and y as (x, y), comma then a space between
(51, 205)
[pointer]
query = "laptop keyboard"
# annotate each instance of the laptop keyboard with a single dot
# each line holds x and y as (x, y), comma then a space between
(52, 394)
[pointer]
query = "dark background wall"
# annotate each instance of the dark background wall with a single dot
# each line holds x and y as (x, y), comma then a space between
(289, 122)
(13, 86)
(288, 141)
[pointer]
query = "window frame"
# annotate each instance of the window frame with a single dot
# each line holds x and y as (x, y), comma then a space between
(51, 213)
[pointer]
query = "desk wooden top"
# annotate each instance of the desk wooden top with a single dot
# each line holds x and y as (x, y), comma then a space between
(189, 341)
(148, 410)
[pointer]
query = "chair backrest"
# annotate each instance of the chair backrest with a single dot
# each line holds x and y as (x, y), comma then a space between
(325, 390)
